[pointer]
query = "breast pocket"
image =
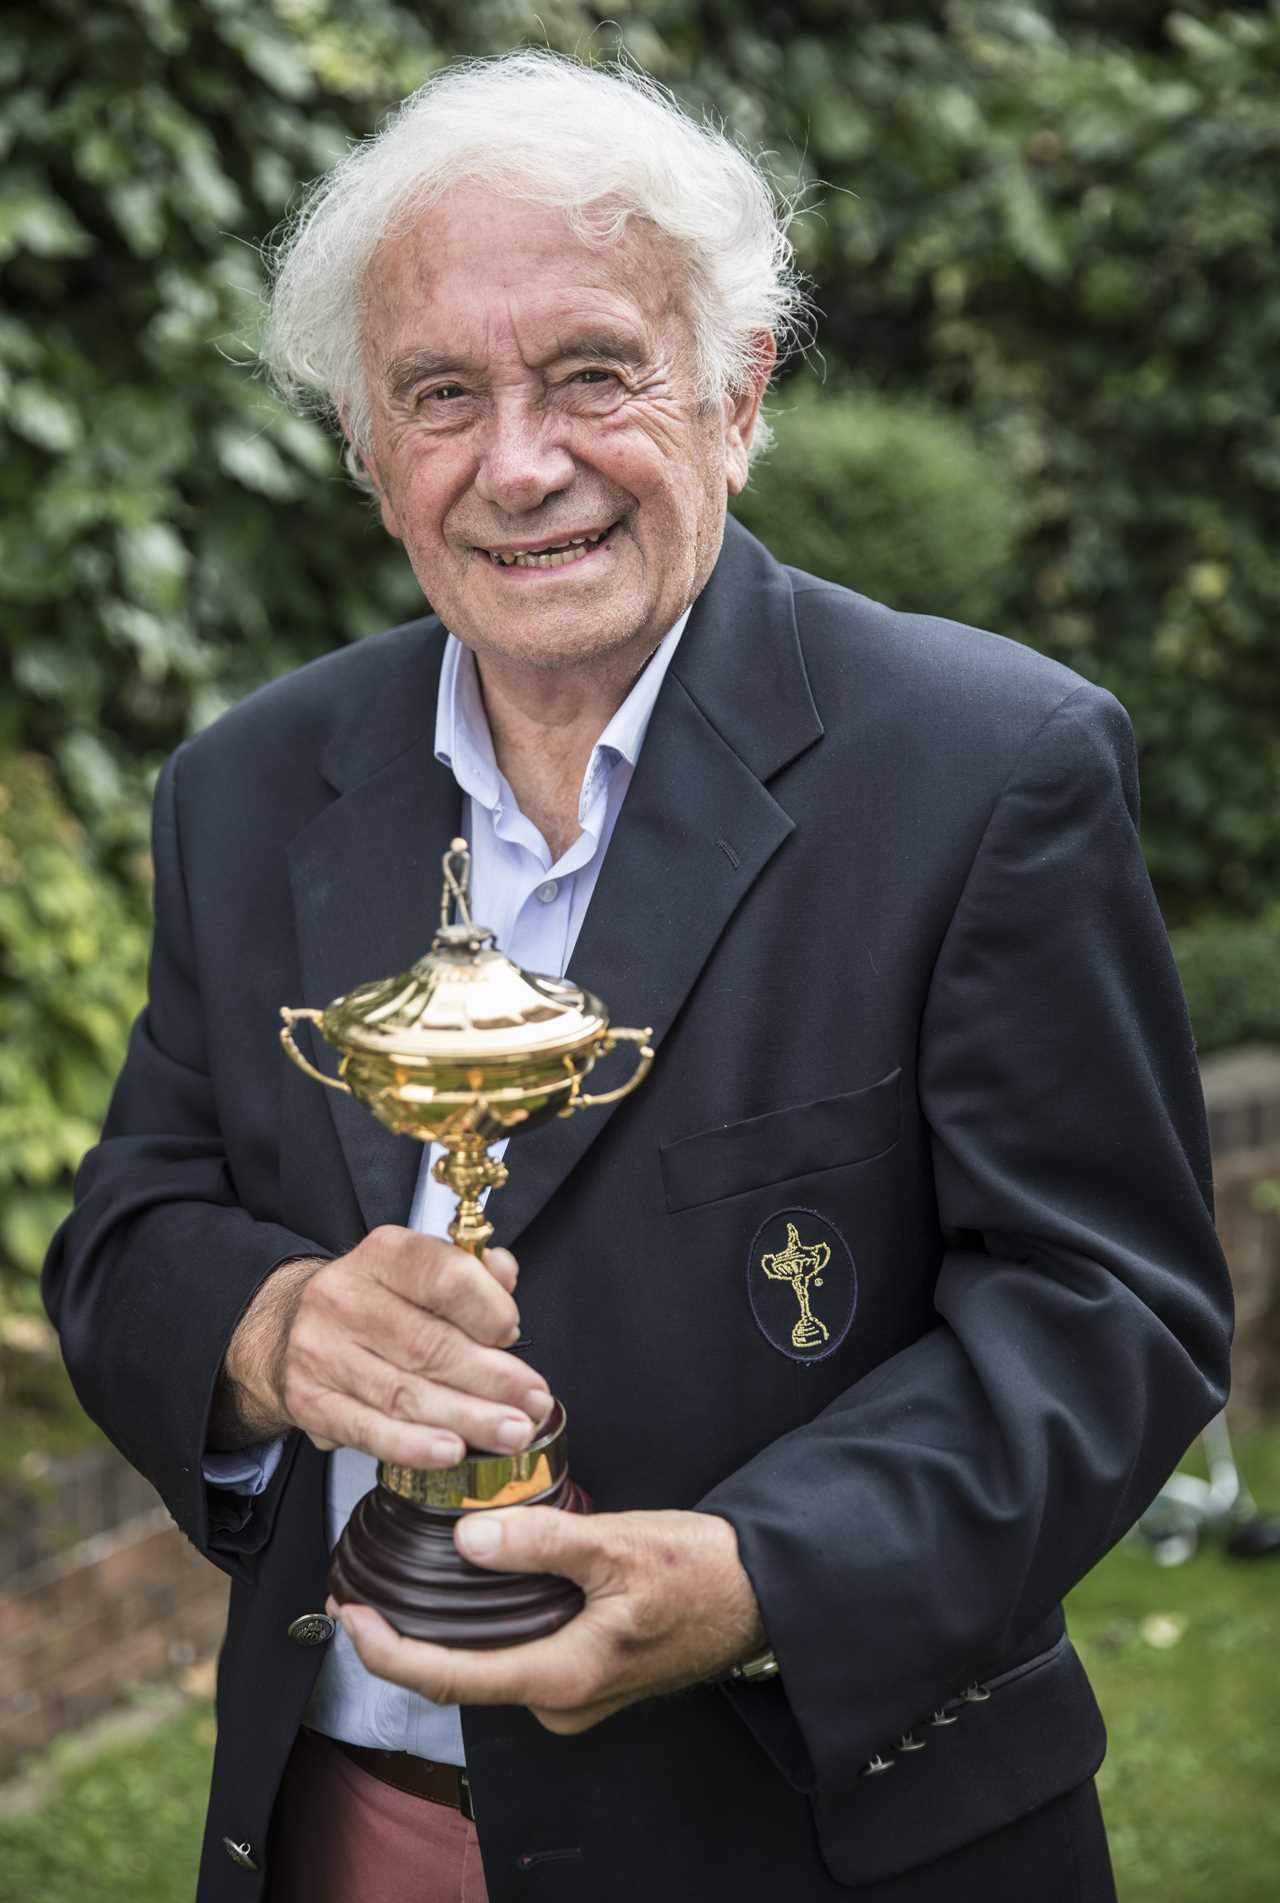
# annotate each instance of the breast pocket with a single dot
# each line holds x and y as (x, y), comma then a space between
(796, 1141)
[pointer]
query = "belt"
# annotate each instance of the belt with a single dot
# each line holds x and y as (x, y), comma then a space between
(437, 1783)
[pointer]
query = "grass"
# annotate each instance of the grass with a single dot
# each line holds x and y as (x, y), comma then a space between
(122, 1827)
(1185, 1660)
(1186, 1664)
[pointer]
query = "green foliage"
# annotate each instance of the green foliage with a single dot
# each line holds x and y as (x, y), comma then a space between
(72, 955)
(1060, 220)
(168, 538)
(1231, 975)
(1050, 226)
(888, 497)
(1056, 221)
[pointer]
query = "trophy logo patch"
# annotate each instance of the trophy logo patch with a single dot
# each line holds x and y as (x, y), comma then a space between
(802, 1284)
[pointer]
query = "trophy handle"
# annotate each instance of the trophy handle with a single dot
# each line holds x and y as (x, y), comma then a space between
(638, 1075)
(291, 1017)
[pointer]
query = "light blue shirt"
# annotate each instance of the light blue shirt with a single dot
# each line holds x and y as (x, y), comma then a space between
(535, 909)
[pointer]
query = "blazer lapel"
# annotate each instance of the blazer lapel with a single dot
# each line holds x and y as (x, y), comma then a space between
(697, 829)
(365, 877)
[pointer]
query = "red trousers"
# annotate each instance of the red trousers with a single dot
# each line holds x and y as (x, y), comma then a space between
(339, 1835)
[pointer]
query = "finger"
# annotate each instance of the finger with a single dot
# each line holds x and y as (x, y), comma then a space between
(361, 1401)
(336, 1420)
(393, 1357)
(502, 1264)
(581, 1547)
(563, 1672)
(498, 1427)
(449, 1282)
(428, 1354)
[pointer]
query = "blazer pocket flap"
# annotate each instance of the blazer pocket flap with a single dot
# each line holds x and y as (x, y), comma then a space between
(781, 1144)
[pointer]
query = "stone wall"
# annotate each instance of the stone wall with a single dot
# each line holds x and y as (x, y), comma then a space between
(87, 1618)
(1242, 1093)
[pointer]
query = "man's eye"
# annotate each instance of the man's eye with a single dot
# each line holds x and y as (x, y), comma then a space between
(593, 376)
(443, 392)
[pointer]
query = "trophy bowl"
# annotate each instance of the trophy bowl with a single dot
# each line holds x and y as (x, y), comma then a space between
(462, 1050)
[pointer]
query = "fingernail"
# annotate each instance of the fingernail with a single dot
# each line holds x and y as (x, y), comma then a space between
(515, 1432)
(513, 1337)
(537, 1405)
(480, 1536)
(447, 1450)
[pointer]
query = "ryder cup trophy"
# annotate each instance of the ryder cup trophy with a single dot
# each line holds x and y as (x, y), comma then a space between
(461, 1050)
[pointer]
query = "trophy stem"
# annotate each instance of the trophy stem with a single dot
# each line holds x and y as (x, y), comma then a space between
(468, 1170)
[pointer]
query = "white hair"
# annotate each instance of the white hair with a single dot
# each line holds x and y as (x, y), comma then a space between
(599, 145)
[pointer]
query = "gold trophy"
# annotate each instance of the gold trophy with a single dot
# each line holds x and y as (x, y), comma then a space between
(461, 1050)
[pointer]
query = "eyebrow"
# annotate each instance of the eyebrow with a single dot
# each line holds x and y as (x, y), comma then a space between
(403, 373)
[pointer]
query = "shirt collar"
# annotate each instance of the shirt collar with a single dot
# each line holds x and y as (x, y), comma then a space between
(464, 745)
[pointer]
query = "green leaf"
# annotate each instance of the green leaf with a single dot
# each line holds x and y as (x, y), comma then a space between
(155, 563)
(252, 460)
(1031, 231)
(33, 219)
(43, 417)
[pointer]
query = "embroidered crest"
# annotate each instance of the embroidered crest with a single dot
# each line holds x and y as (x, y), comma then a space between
(802, 1284)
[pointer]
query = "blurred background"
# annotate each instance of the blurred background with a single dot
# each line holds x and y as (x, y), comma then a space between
(1043, 240)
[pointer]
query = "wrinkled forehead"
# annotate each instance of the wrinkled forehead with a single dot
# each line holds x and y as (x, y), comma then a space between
(478, 258)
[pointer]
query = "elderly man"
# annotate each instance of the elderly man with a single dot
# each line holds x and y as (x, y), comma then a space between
(875, 880)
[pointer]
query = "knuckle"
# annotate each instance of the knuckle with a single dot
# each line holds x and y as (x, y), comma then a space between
(401, 1399)
(425, 1344)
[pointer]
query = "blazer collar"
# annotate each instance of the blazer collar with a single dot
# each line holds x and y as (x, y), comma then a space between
(697, 828)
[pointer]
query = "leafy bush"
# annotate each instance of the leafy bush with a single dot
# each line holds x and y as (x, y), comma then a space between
(888, 497)
(1231, 974)
(1060, 221)
(168, 537)
(1054, 223)
(73, 946)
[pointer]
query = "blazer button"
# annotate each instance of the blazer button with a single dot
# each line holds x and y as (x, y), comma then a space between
(876, 1766)
(239, 1853)
(311, 1628)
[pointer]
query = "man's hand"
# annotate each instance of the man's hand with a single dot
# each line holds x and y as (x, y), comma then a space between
(396, 1348)
(667, 1604)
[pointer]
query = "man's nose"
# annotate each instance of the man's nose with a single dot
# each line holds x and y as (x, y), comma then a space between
(521, 464)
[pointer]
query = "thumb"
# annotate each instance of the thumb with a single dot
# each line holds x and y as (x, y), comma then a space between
(538, 1540)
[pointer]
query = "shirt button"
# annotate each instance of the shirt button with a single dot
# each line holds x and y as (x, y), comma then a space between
(546, 892)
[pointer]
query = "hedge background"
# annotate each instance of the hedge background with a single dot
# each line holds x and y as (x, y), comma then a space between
(1043, 241)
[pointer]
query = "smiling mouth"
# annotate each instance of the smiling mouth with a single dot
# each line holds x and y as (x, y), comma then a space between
(562, 555)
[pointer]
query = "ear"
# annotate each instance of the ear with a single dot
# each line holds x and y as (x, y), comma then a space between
(356, 455)
(742, 411)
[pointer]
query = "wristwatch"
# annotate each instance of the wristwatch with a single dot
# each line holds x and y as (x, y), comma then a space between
(752, 1671)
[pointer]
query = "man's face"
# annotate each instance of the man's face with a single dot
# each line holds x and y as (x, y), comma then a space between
(531, 393)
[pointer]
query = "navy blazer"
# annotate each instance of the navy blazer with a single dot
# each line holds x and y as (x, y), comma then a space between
(923, 1064)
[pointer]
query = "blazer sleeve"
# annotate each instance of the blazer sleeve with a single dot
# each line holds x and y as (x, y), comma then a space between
(148, 1277)
(935, 1514)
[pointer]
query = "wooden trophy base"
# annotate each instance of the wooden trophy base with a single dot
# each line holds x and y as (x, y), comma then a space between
(399, 1557)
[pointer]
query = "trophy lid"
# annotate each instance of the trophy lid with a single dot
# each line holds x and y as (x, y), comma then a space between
(463, 1000)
